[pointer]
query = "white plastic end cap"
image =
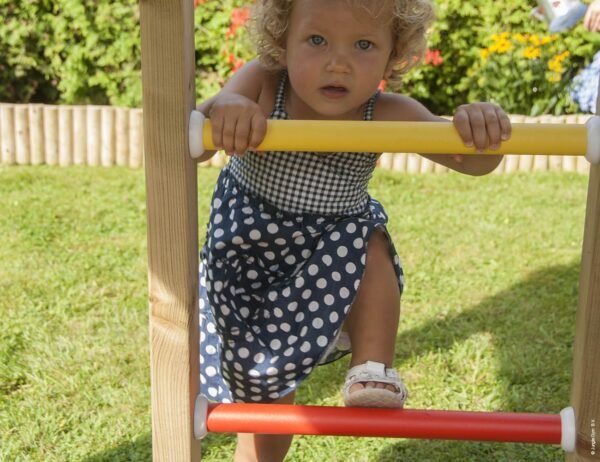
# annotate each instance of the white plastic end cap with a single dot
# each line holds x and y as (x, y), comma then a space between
(568, 431)
(200, 414)
(195, 130)
(593, 140)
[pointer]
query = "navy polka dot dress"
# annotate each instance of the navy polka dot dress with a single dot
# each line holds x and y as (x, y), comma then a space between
(284, 256)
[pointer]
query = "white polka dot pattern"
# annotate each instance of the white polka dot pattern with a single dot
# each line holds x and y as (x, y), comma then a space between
(274, 292)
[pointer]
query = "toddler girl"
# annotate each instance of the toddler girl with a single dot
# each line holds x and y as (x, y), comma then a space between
(298, 266)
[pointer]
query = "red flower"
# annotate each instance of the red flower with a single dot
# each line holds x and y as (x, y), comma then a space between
(199, 2)
(381, 86)
(236, 63)
(239, 17)
(433, 57)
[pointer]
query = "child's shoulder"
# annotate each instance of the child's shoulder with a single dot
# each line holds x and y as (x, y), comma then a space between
(394, 106)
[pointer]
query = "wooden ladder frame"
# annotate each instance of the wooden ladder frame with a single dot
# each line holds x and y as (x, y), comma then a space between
(168, 58)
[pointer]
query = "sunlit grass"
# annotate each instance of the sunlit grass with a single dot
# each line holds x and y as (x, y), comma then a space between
(492, 269)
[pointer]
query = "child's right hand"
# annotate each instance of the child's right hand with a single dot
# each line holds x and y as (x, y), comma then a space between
(238, 123)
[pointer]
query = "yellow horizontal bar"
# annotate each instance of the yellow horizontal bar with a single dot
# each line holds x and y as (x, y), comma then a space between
(420, 137)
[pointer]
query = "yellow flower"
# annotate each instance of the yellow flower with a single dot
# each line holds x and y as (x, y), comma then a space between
(521, 38)
(500, 44)
(554, 78)
(484, 53)
(504, 46)
(532, 52)
(555, 64)
(548, 39)
(535, 40)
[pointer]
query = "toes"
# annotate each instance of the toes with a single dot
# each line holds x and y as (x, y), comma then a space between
(356, 387)
(378, 385)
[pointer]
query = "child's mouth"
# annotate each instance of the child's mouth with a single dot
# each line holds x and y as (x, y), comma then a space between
(334, 91)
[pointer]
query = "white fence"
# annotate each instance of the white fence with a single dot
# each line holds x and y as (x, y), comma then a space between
(33, 134)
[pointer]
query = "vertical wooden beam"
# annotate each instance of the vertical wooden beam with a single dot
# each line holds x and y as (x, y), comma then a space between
(585, 385)
(171, 198)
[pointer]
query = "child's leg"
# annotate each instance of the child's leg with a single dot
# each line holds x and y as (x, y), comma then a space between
(252, 447)
(373, 320)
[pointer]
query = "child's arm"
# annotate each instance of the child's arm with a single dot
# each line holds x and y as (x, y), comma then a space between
(482, 125)
(238, 122)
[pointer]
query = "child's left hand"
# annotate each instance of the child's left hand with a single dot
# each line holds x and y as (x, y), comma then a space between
(483, 125)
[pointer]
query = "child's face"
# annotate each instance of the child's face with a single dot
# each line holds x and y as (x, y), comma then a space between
(335, 58)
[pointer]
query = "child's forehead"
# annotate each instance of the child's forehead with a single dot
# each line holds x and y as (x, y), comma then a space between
(375, 12)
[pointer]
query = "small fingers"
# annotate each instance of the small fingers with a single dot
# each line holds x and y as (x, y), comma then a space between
(482, 125)
(471, 126)
(259, 130)
(463, 125)
(498, 126)
(494, 131)
(237, 124)
(505, 125)
(241, 136)
(228, 135)
(479, 129)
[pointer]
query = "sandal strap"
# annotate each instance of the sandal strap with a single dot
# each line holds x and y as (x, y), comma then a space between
(372, 371)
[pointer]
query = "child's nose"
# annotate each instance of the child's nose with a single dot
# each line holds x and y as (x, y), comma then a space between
(338, 61)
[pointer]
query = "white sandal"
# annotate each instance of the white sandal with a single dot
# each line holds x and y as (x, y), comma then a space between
(372, 371)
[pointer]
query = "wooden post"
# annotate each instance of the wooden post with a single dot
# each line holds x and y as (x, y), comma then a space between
(23, 151)
(36, 133)
(399, 162)
(107, 136)
(386, 160)
(51, 146)
(79, 135)
(136, 138)
(171, 197)
(93, 135)
(585, 385)
(65, 136)
(7, 134)
(121, 136)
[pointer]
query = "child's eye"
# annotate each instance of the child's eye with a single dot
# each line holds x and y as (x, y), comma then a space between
(316, 40)
(364, 44)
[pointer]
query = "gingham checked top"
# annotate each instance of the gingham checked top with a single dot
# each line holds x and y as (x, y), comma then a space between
(307, 182)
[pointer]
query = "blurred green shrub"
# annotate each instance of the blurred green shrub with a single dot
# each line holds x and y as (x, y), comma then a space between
(70, 51)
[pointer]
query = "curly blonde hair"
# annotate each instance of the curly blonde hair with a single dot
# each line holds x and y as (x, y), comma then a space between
(409, 19)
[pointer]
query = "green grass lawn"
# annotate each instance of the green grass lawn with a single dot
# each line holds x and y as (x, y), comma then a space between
(488, 315)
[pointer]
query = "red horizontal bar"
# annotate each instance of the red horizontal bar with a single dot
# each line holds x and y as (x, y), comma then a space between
(398, 423)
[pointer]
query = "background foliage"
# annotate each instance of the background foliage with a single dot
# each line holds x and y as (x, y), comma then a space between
(70, 51)
(88, 51)
(520, 84)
